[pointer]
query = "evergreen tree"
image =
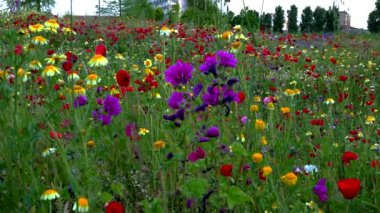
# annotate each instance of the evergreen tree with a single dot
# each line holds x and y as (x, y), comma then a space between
(373, 22)
(292, 19)
(332, 20)
(319, 16)
(306, 20)
(158, 14)
(278, 20)
(39, 5)
(201, 12)
(174, 13)
(266, 22)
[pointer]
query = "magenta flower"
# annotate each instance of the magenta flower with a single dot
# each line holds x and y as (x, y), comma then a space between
(176, 100)
(320, 189)
(79, 101)
(196, 155)
(226, 59)
(112, 105)
(179, 73)
(209, 66)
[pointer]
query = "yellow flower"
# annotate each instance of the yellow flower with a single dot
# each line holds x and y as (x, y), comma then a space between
(119, 56)
(254, 108)
(98, 60)
(260, 125)
(297, 91)
(68, 31)
(264, 140)
(36, 28)
(90, 143)
(92, 79)
(159, 58)
(78, 90)
(50, 70)
(266, 170)
(270, 105)
(23, 75)
(237, 28)
(135, 67)
(148, 71)
(370, 119)
(165, 31)
(227, 35)
(73, 75)
(289, 179)
(4, 75)
(55, 58)
(289, 92)
(285, 110)
(49, 194)
(329, 101)
(148, 63)
(143, 131)
(35, 65)
(81, 205)
(39, 40)
(257, 157)
(257, 99)
(52, 23)
(48, 151)
(159, 145)
(235, 46)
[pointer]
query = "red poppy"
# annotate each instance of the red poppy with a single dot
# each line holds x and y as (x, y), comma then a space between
(349, 187)
(317, 122)
(241, 97)
(343, 78)
(67, 65)
(375, 163)
(349, 156)
(333, 60)
(114, 207)
(101, 50)
(18, 49)
(226, 170)
(123, 78)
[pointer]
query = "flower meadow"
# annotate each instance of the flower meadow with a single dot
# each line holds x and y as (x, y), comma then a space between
(141, 116)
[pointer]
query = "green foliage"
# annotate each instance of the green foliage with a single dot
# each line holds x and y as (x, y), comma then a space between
(307, 20)
(292, 19)
(266, 22)
(135, 8)
(174, 13)
(195, 188)
(39, 5)
(235, 196)
(373, 22)
(319, 16)
(158, 14)
(332, 20)
(201, 12)
(278, 20)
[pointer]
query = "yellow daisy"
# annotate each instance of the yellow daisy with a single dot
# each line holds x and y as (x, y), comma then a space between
(119, 56)
(143, 131)
(78, 90)
(135, 67)
(48, 151)
(36, 28)
(35, 65)
(81, 205)
(50, 70)
(370, 119)
(235, 46)
(56, 58)
(52, 23)
(50, 194)
(39, 40)
(97, 61)
(73, 75)
(158, 58)
(165, 31)
(148, 63)
(23, 75)
(68, 31)
(92, 79)
(4, 75)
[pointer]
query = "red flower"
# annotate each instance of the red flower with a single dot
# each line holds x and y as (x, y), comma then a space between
(349, 187)
(123, 78)
(114, 207)
(317, 122)
(67, 65)
(343, 78)
(18, 49)
(375, 163)
(332, 60)
(241, 97)
(226, 170)
(101, 50)
(349, 156)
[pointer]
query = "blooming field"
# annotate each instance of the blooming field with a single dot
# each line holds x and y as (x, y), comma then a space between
(155, 117)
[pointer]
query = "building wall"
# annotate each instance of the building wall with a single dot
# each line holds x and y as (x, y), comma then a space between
(344, 20)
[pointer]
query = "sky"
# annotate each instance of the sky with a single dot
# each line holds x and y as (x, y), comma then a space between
(358, 9)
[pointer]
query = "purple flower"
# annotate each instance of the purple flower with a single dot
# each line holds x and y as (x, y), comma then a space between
(229, 95)
(112, 105)
(226, 59)
(176, 100)
(209, 66)
(80, 101)
(131, 132)
(179, 73)
(196, 155)
(106, 119)
(320, 189)
(212, 132)
(212, 96)
(197, 90)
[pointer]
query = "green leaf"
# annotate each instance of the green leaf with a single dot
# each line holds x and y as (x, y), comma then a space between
(152, 206)
(117, 188)
(195, 188)
(106, 197)
(235, 196)
(238, 149)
